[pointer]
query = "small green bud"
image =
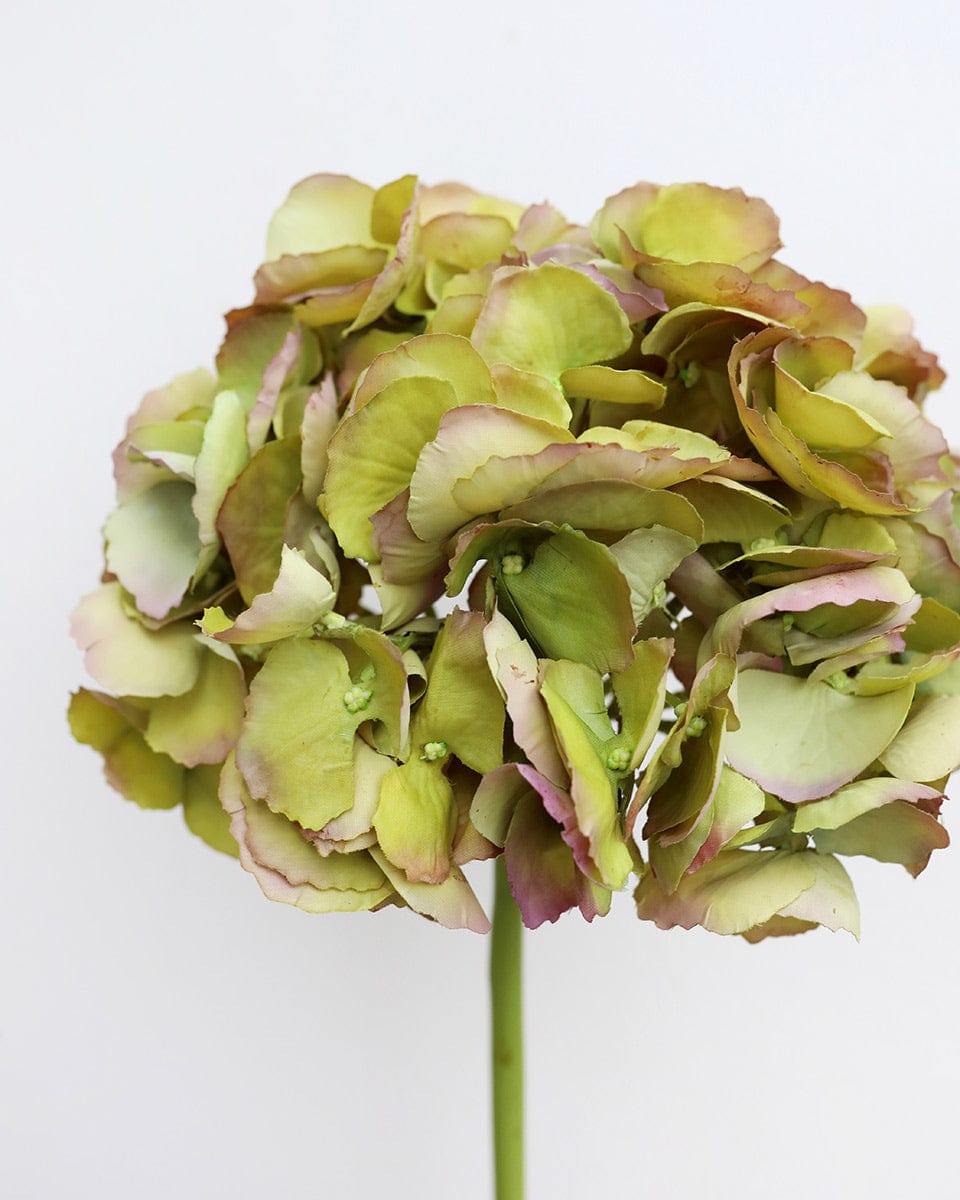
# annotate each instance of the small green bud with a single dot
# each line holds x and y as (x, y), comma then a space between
(679, 708)
(618, 760)
(789, 620)
(512, 564)
(333, 620)
(695, 726)
(658, 597)
(356, 698)
(841, 681)
(690, 374)
(783, 538)
(762, 543)
(434, 751)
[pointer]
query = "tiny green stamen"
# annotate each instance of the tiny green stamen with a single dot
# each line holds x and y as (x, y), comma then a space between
(434, 751)
(618, 759)
(696, 726)
(690, 374)
(512, 564)
(356, 698)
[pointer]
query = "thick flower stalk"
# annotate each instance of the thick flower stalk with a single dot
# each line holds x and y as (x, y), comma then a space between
(623, 551)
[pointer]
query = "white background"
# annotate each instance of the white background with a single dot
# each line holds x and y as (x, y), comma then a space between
(164, 1030)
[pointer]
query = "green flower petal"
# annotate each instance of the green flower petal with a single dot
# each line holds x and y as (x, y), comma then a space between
(128, 659)
(451, 903)
(299, 597)
(735, 802)
(693, 222)
(131, 768)
(740, 890)
(614, 386)
(462, 706)
(574, 698)
(787, 740)
(223, 455)
(548, 319)
(467, 437)
(297, 746)
(416, 820)
(203, 813)
(567, 576)
(321, 213)
(203, 724)
(288, 866)
(253, 515)
(928, 746)
(153, 546)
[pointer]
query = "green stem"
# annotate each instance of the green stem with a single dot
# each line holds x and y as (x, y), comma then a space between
(506, 1005)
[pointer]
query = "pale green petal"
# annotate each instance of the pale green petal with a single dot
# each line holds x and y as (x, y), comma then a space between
(202, 725)
(203, 813)
(856, 799)
(462, 706)
(299, 597)
(416, 820)
(126, 658)
(322, 213)
(468, 437)
(451, 903)
(574, 602)
(254, 513)
(153, 546)
(928, 746)
(131, 768)
(296, 749)
(614, 386)
(222, 457)
(646, 557)
(732, 893)
(548, 319)
(787, 740)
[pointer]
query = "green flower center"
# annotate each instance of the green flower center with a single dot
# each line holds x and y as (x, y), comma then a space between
(512, 564)
(618, 759)
(434, 751)
(356, 698)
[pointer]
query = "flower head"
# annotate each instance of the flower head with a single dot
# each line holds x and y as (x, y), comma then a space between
(692, 534)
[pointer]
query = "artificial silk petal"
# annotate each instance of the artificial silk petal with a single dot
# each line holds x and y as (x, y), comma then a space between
(126, 658)
(928, 746)
(743, 889)
(203, 724)
(451, 903)
(567, 576)
(321, 213)
(787, 740)
(254, 512)
(735, 802)
(287, 865)
(895, 833)
(153, 546)
(202, 812)
(416, 820)
(548, 319)
(614, 386)
(591, 788)
(466, 438)
(223, 455)
(462, 707)
(693, 222)
(514, 667)
(299, 597)
(149, 779)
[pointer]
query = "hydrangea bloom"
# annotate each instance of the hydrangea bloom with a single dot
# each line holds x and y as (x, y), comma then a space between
(698, 534)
